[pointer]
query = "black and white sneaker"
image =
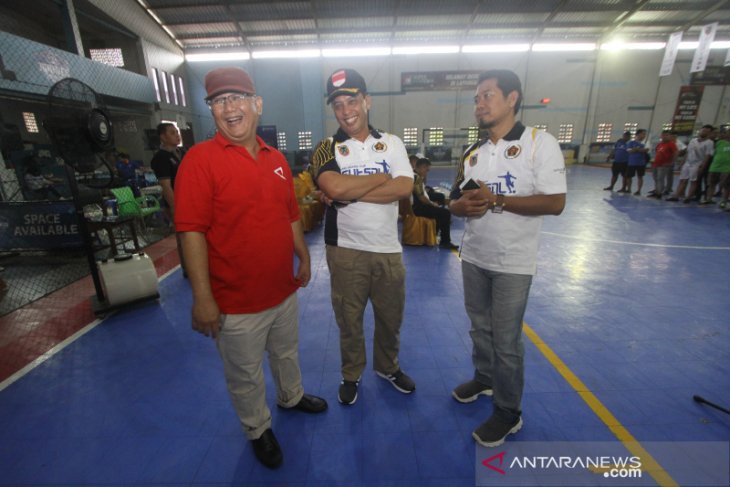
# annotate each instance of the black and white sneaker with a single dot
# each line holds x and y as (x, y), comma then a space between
(470, 391)
(493, 431)
(348, 392)
(400, 381)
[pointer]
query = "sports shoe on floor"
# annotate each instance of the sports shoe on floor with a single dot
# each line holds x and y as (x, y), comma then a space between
(638, 193)
(722, 205)
(400, 381)
(622, 191)
(448, 246)
(493, 431)
(707, 202)
(348, 391)
(608, 188)
(267, 449)
(470, 391)
(671, 198)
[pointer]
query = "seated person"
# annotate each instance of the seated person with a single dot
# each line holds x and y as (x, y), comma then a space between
(127, 171)
(39, 185)
(423, 206)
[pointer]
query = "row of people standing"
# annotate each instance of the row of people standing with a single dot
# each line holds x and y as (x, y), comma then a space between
(238, 218)
(705, 164)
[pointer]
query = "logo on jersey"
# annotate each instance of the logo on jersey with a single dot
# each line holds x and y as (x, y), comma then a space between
(279, 171)
(509, 180)
(380, 147)
(512, 151)
(473, 161)
(343, 150)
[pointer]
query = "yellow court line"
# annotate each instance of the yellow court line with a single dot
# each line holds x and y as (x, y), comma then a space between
(648, 463)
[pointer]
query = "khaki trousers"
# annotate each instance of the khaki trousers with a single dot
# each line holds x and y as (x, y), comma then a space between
(355, 277)
(242, 341)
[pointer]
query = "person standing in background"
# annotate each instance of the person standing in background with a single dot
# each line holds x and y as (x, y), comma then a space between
(165, 164)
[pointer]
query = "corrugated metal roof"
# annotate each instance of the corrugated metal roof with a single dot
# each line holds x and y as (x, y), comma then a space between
(288, 22)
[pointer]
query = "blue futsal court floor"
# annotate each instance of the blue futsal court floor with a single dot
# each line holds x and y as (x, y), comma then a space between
(630, 308)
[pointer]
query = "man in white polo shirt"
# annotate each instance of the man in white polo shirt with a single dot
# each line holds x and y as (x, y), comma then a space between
(365, 172)
(518, 175)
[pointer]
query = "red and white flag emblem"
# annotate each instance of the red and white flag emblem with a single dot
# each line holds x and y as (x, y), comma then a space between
(338, 78)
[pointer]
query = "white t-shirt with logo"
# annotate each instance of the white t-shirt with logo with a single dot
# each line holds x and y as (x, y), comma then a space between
(698, 149)
(526, 162)
(371, 227)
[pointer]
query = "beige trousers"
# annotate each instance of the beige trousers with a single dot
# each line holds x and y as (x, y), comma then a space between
(355, 277)
(242, 341)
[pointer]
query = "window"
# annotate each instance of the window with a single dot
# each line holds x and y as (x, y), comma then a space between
(173, 85)
(631, 127)
(281, 140)
(604, 132)
(182, 93)
(165, 91)
(410, 137)
(436, 136)
(541, 126)
(155, 80)
(30, 123)
(305, 140)
(565, 134)
(112, 57)
(472, 135)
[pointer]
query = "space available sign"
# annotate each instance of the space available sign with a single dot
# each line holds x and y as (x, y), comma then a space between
(38, 225)
(439, 80)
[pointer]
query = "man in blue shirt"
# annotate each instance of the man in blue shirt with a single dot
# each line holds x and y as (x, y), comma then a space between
(637, 161)
(620, 160)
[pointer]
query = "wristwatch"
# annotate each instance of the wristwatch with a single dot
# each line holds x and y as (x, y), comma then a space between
(498, 204)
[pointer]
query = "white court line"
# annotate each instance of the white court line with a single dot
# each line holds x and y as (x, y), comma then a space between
(19, 374)
(68, 341)
(641, 244)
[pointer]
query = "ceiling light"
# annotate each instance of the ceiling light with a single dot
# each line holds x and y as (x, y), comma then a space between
(550, 47)
(217, 56)
(356, 51)
(619, 46)
(426, 50)
(496, 48)
(301, 53)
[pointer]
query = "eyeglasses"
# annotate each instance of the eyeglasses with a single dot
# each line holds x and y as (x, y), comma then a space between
(235, 99)
(484, 96)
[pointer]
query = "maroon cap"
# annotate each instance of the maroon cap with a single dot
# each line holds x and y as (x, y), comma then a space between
(223, 80)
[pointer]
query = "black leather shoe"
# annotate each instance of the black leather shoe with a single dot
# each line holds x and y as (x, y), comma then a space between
(449, 246)
(267, 449)
(310, 404)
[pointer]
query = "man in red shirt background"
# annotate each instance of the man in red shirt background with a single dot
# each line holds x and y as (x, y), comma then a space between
(663, 164)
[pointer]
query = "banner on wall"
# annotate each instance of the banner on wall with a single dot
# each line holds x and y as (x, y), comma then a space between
(439, 80)
(699, 61)
(712, 75)
(39, 225)
(685, 114)
(670, 54)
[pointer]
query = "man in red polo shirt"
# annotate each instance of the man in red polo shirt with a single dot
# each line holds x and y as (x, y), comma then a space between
(239, 221)
(666, 151)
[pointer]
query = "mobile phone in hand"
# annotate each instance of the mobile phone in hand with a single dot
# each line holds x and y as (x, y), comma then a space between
(471, 184)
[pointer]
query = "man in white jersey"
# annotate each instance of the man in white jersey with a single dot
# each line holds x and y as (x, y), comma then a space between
(364, 172)
(699, 153)
(518, 174)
